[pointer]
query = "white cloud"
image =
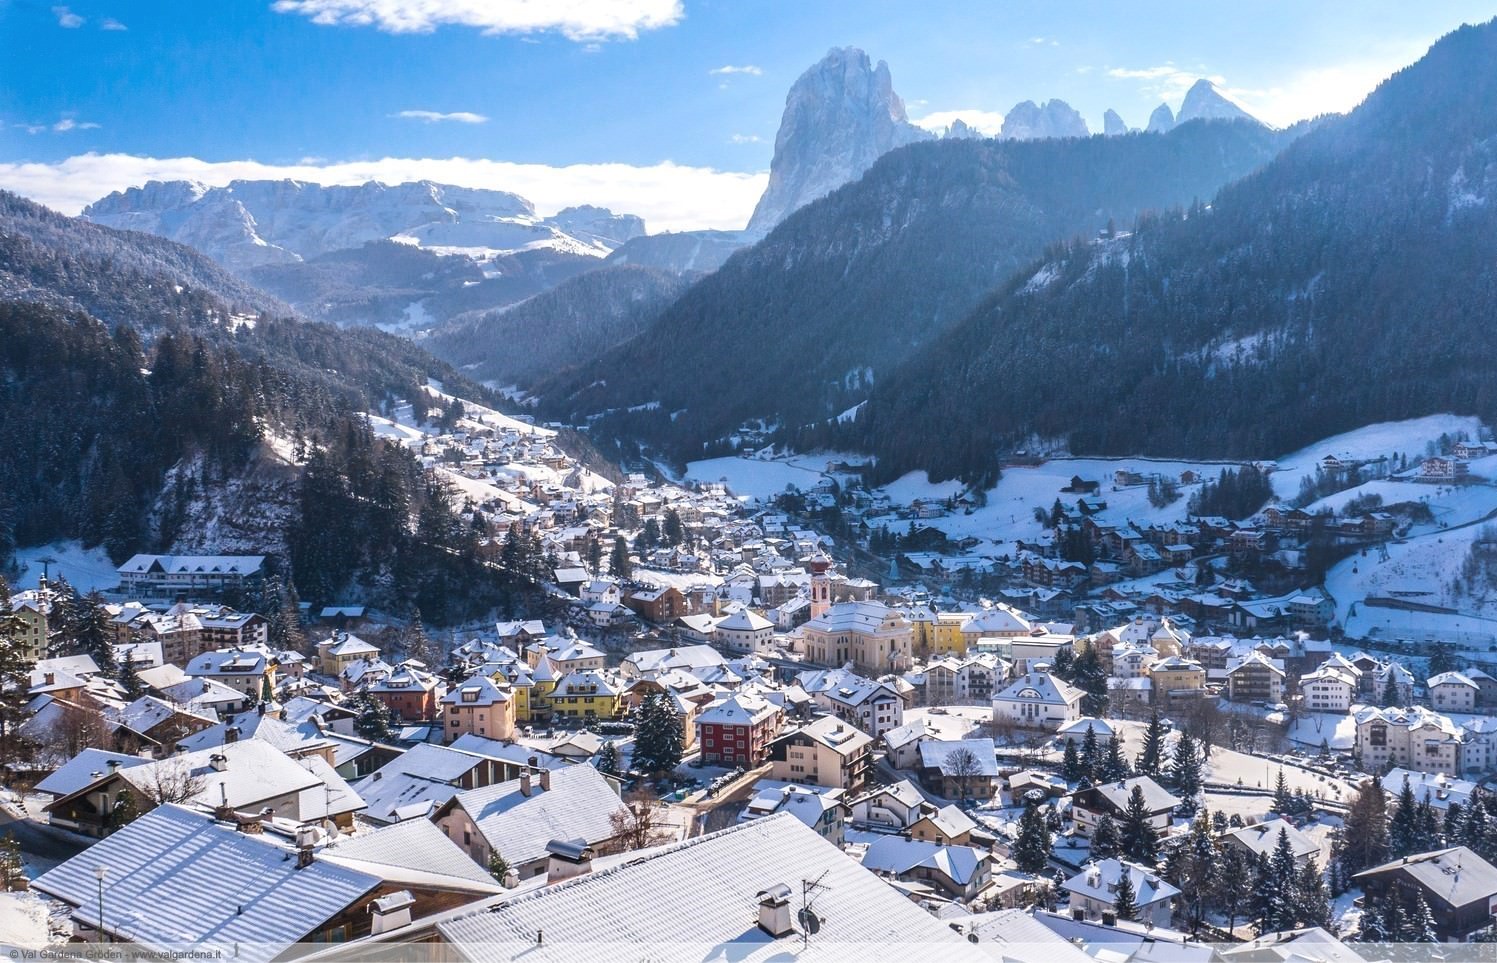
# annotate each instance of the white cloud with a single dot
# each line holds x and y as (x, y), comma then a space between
(746, 139)
(109, 23)
(580, 20)
(436, 117)
(1043, 42)
(670, 197)
(987, 122)
(67, 123)
(728, 70)
(1166, 81)
(66, 18)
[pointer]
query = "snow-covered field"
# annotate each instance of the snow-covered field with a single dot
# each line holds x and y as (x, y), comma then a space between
(86, 569)
(752, 478)
(1385, 438)
(23, 922)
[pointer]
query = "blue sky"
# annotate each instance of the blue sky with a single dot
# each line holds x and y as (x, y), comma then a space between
(620, 102)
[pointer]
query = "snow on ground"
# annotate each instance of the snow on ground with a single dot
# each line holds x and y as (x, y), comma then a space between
(1338, 730)
(752, 477)
(1009, 513)
(86, 569)
(1450, 504)
(386, 428)
(951, 722)
(23, 921)
(483, 417)
(1228, 768)
(677, 580)
(1420, 570)
(1365, 444)
(917, 485)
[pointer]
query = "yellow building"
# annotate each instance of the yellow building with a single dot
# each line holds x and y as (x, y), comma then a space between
(517, 676)
(32, 612)
(946, 635)
(585, 695)
(873, 637)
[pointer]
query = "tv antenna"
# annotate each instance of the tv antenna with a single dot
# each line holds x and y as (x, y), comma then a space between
(810, 923)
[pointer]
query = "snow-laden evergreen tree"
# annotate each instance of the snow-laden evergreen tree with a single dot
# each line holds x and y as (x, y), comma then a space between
(1070, 764)
(1185, 772)
(1151, 756)
(15, 676)
(658, 742)
(1114, 764)
(1105, 842)
(1124, 905)
(1031, 850)
(1137, 837)
(1365, 830)
(1091, 757)
(607, 760)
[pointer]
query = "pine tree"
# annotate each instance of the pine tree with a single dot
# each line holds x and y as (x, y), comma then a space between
(93, 634)
(1091, 678)
(1419, 924)
(1281, 800)
(1114, 766)
(658, 743)
(619, 563)
(1390, 690)
(1403, 825)
(1091, 762)
(1285, 883)
(1265, 896)
(15, 676)
(12, 866)
(374, 718)
(1031, 851)
(1185, 771)
(1070, 765)
(1151, 756)
(607, 760)
(1312, 903)
(1365, 830)
(1105, 844)
(1124, 906)
(1235, 873)
(1138, 839)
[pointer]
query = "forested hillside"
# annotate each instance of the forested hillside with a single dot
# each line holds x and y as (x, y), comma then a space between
(1353, 280)
(94, 417)
(838, 296)
(572, 323)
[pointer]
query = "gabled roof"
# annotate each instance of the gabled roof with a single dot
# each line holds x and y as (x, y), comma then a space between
(1264, 838)
(701, 897)
(517, 826)
(745, 620)
(939, 753)
(897, 855)
(83, 769)
(175, 877)
(1049, 690)
(738, 710)
(1099, 881)
(1457, 875)
(1156, 797)
(415, 851)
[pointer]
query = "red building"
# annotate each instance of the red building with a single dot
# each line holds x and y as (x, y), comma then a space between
(412, 693)
(738, 731)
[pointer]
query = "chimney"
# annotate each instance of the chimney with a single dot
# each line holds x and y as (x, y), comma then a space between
(774, 911)
(306, 836)
(113, 765)
(525, 781)
(566, 858)
(545, 780)
(218, 761)
(49, 678)
(390, 912)
(231, 734)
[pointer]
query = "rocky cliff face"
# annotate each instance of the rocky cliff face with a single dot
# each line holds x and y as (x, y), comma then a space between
(1030, 121)
(840, 117)
(1162, 120)
(249, 224)
(1112, 124)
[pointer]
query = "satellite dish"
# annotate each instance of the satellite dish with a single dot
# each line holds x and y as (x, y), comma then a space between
(809, 922)
(971, 937)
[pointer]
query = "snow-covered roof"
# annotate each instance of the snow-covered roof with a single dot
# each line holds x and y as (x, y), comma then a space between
(896, 855)
(517, 826)
(83, 769)
(1264, 838)
(193, 564)
(175, 877)
(740, 709)
(745, 620)
(703, 894)
(1047, 689)
(1099, 881)
(938, 753)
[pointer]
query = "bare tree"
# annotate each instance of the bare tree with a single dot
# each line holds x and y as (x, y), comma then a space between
(172, 780)
(962, 765)
(633, 824)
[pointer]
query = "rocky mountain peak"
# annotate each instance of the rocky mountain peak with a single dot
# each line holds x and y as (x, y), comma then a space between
(840, 116)
(1204, 102)
(1055, 118)
(1112, 123)
(1162, 120)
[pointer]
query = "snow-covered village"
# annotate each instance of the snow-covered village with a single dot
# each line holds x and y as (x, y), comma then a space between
(504, 481)
(1101, 698)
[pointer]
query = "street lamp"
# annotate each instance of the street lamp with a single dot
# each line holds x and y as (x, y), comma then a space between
(101, 871)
